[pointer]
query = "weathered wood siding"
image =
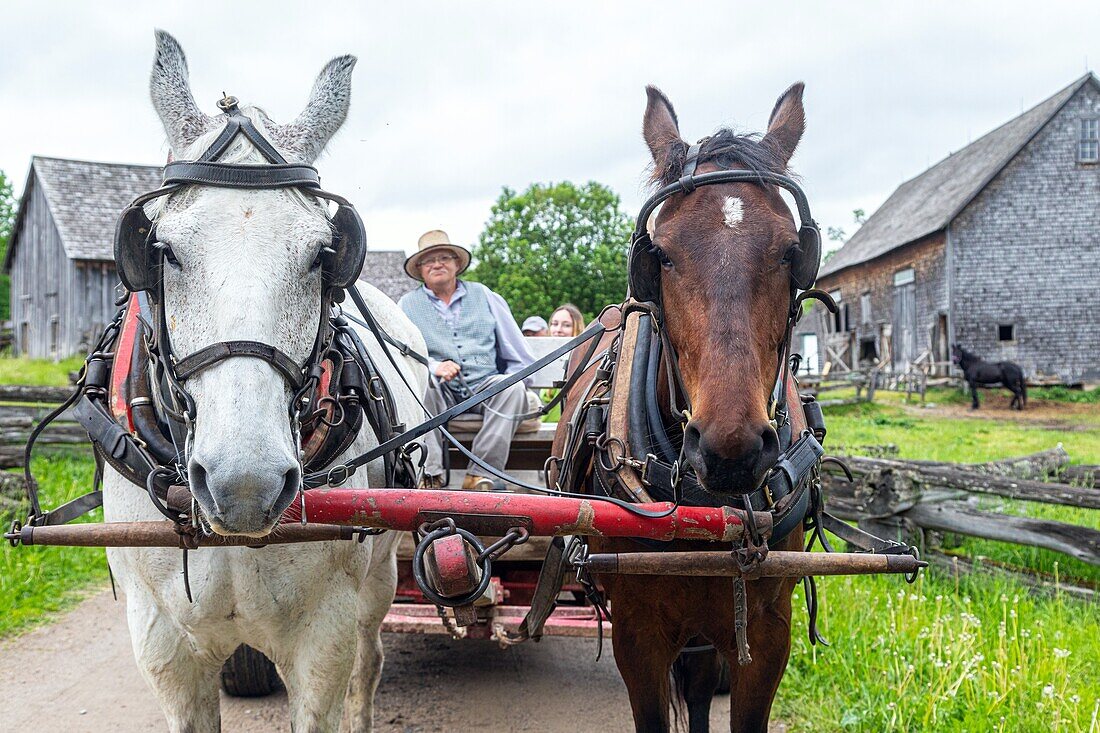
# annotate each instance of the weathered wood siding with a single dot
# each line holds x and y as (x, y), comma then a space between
(56, 303)
(873, 317)
(1026, 252)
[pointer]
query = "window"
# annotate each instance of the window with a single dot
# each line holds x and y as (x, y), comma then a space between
(1088, 149)
(865, 309)
(904, 277)
(868, 350)
(809, 353)
(55, 331)
(836, 319)
(1006, 332)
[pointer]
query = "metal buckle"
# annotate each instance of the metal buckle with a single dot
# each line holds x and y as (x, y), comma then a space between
(341, 470)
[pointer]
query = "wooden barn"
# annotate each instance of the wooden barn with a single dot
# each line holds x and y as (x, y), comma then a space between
(61, 256)
(995, 247)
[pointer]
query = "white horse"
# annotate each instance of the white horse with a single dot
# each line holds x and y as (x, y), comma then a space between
(244, 272)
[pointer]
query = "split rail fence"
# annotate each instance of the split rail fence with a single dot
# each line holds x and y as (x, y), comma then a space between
(918, 501)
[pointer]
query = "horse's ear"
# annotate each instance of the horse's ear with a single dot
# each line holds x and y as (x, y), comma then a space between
(661, 130)
(170, 91)
(787, 123)
(325, 111)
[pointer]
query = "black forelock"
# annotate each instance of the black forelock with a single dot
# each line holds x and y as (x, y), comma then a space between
(726, 149)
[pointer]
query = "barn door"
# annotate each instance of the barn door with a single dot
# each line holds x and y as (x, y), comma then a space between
(905, 325)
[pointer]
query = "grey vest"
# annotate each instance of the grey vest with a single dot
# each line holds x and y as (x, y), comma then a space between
(471, 342)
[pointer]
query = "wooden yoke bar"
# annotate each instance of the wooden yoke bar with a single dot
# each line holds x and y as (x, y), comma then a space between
(778, 564)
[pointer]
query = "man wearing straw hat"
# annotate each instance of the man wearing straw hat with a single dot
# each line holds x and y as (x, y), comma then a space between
(472, 341)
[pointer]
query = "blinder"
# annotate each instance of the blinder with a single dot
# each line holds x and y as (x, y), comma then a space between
(644, 271)
(137, 261)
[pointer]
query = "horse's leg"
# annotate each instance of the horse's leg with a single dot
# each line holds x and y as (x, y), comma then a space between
(974, 394)
(185, 684)
(316, 665)
(697, 674)
(753, 687)
(644, 655)
(376, 598)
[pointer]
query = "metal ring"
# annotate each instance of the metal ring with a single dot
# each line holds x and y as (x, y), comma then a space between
(338, 411)
(606, 449)
(420, 575)
(514, 536)
(335, 471)
(911, 578)
(378, 395)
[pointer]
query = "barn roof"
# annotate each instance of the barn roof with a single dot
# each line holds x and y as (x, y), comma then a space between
(385, 270)
(929, 202)
(86, 197)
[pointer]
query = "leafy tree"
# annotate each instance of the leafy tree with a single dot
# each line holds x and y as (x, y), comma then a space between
(555, 243)
(7, 221)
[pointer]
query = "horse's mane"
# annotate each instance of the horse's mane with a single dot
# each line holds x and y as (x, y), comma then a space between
(726, 149)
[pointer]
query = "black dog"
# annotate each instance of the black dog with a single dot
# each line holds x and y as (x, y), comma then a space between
(984, 372)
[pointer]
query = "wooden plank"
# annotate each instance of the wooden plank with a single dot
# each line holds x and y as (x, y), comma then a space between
(957, 516)
(24, 393)
(960, 478)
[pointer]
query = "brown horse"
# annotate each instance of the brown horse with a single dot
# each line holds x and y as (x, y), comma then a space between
(725, 254)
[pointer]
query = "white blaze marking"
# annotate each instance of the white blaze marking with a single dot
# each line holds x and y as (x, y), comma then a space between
(733, 211)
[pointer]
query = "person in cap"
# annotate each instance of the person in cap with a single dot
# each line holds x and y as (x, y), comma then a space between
(535, 326)
(472, 342)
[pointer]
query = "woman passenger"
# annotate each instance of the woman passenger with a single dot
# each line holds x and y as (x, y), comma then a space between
(566, 320)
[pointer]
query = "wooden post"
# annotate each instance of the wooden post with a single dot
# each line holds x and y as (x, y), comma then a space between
(778, 564)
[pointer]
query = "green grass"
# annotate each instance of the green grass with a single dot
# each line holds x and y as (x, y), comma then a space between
(963, 440)
(1063, 394)
(945, 654)
(36, 582)
(967, 654)
(38, 372)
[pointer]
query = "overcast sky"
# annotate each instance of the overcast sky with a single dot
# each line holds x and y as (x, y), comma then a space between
(451, 101)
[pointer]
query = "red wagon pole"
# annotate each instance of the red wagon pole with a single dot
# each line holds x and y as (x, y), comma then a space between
(495, 513)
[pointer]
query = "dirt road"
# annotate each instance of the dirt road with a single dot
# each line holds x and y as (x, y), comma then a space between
(77, 675)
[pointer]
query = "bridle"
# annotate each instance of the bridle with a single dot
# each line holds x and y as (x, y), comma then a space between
(644, 278)
(140, 258)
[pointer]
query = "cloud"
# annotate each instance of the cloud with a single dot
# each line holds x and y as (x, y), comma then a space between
(451, 101)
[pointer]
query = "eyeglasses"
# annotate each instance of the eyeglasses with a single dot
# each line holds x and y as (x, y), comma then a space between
(443, 259)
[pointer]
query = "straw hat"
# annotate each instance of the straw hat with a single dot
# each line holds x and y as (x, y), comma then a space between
(435, 240)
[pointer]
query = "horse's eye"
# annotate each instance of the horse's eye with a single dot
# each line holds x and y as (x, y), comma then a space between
(320, 258)
(662, 258)
(791, 253)
(169, 255)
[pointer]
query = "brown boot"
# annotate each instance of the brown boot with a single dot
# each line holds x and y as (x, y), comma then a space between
(477, 483)
(427, 481)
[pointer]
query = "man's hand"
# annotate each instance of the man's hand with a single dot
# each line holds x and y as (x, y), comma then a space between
(447, 370)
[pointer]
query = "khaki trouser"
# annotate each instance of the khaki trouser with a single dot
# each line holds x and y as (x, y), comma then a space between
(493, 441)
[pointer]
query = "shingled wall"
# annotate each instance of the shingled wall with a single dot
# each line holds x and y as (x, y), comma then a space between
(1026, 252)
(876, 278)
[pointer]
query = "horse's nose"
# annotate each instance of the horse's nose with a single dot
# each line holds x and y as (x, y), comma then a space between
(732, 464)
(249, 501)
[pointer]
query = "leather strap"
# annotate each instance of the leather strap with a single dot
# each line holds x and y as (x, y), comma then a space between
(212, 354)
(555, 566)
(236, 175)
(347, 468)
(239, 124)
